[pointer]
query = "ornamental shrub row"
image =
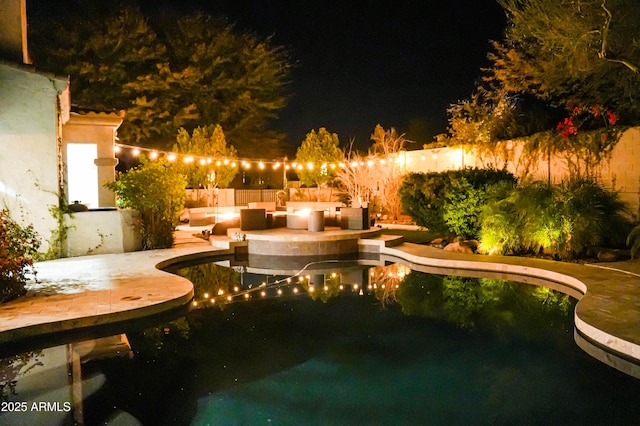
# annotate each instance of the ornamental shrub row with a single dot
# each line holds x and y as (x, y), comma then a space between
(567, 219)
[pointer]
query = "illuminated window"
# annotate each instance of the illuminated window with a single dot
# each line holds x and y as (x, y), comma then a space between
(82, 173)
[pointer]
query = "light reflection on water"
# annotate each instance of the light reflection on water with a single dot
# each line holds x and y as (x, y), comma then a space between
(465, 351)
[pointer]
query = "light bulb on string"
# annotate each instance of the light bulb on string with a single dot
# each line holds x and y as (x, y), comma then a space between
(247, 163)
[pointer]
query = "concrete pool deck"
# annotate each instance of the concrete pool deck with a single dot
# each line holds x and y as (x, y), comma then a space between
(95, 290)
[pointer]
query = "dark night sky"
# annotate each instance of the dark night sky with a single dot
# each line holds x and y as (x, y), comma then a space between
(365, 63)
(358, 64)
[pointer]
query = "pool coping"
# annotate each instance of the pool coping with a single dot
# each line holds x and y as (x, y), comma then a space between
(118, 287)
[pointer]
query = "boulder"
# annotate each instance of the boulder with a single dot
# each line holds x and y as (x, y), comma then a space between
(611, 255)
(459, 247)
(438, 242)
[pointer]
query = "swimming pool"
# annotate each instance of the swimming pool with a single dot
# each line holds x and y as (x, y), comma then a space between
(374, 344)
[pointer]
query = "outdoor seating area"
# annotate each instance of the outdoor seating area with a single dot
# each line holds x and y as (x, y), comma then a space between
(312, 217)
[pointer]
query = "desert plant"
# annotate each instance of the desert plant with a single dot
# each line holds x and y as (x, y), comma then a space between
(157, 190)
(388, 146)
(18, 246)
(355, 178)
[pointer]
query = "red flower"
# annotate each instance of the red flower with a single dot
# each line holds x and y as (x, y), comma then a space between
(613, 118)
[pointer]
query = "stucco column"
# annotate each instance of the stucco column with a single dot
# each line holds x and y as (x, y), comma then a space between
(106, 174)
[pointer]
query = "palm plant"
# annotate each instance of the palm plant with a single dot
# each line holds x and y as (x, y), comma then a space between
(633, 240)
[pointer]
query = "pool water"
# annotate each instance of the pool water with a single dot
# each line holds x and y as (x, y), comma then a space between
(498, 353)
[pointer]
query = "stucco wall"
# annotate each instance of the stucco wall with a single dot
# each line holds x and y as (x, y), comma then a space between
(99, 232)
(28, 146)
(620, 172)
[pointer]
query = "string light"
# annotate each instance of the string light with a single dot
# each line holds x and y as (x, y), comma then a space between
(400, 158)
(389, 276)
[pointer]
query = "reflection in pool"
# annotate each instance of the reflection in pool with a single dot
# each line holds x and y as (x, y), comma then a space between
(373, 344)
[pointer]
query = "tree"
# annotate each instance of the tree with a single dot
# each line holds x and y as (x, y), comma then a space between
(573, 53)
(168, 72)
(215, 164)
(156, 189)
(315, 156)
(564, 75)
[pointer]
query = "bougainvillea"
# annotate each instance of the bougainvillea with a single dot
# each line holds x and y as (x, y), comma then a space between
(587, 118)
(18, 246)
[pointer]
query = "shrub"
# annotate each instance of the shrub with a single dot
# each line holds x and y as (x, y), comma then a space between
(450, 202)
(18, 246)
(565, 219)
(157, 191)
(462, 205)
(501, 228)
(633, 240)
(421, 195)
(597, 216)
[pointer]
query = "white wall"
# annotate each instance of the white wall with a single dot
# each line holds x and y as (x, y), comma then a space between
(102, 231)
(620, 172)
(28, 146)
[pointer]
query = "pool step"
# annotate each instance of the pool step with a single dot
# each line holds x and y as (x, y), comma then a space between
(373, 245)
(226, 243)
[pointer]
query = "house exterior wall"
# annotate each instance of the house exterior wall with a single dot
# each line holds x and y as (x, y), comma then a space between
(31, 110)
(100, 232)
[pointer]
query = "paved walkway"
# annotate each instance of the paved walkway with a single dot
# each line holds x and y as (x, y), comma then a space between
(96, 290)
(101, 289)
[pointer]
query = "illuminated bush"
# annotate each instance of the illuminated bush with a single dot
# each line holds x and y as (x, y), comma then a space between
(450, 202)
(157, 190)
(566, 219)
